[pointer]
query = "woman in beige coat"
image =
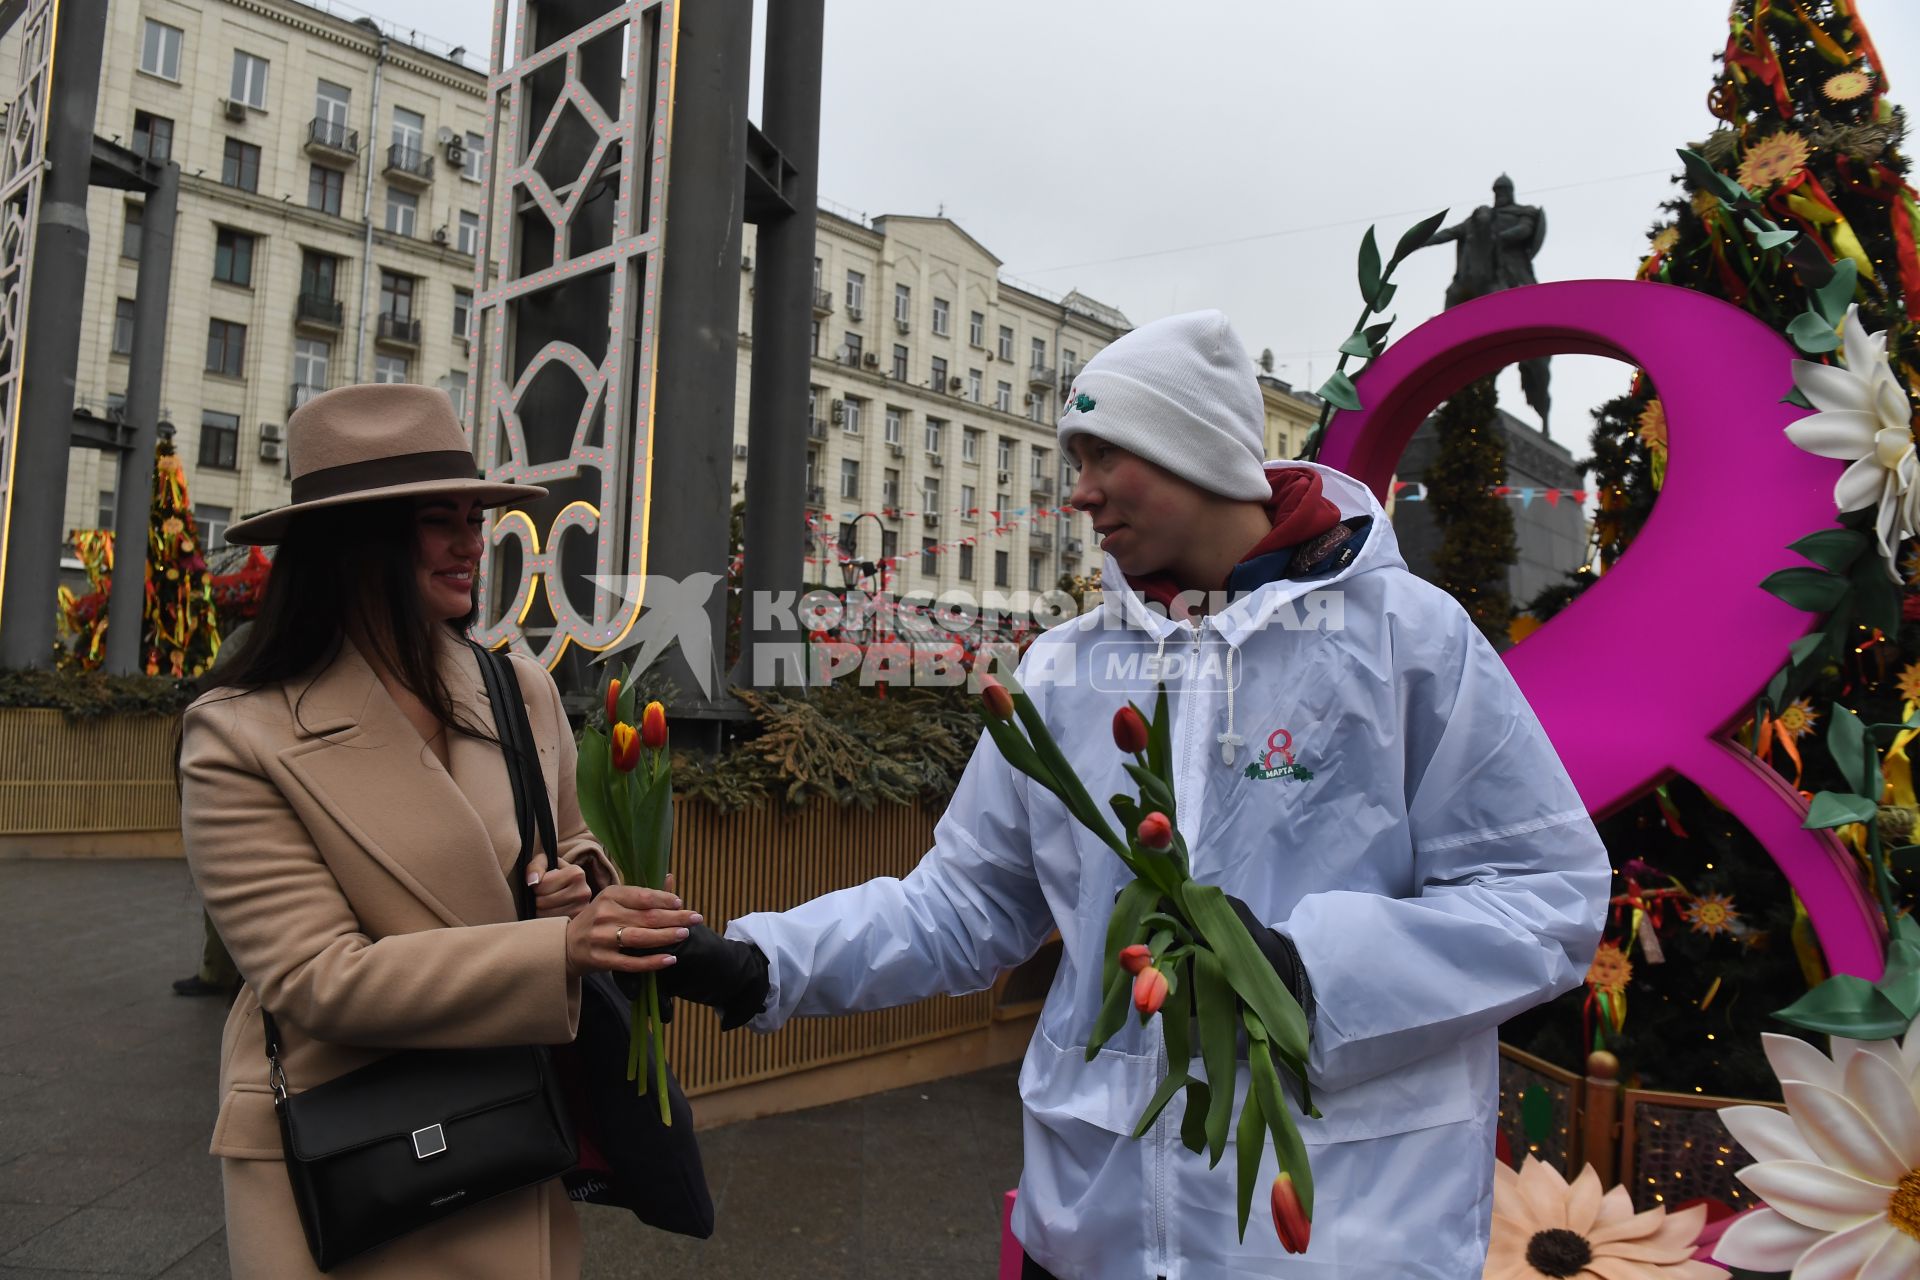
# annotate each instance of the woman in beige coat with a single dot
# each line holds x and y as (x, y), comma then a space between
(348, 819)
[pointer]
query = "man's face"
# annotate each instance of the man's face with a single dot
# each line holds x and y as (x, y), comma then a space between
(1142, 513)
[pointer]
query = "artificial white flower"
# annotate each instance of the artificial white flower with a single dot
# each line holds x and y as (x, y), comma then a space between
(1839, 1169)
(1863, 417)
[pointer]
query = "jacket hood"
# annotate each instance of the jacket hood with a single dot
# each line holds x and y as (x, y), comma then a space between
(1122, 605)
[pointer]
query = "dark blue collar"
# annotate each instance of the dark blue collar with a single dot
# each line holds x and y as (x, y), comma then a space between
(1327, 553)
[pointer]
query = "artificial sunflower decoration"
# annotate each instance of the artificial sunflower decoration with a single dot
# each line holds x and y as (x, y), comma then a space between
(1796, 720)
(1909, 682)
(1774, 159)
(1611, 970)
(171, 526)
(1711, 913)
(1545, 1228)
(1847, 86)
(1704, 204)
(1664, 240)
(1653, 424)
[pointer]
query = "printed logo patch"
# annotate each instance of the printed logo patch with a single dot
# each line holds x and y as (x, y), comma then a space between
(1083, 402)
(1278, 762)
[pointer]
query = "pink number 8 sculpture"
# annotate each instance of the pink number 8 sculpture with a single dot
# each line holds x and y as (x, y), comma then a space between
(1622, 680)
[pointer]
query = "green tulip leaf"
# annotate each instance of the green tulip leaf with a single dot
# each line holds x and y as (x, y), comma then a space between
(1250, 1140)
(1218, 1008)
(1113, 1011)
(1813, 590)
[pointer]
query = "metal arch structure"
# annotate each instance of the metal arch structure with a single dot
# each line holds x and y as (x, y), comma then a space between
(567, 302)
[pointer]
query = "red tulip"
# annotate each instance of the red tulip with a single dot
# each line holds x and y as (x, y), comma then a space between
(1149, 990)
(1290, 1221)
(1136, 957)
(1155, 831)
(613, 701)
(998, 701)
(653, 726)
(1129, 731)
(626, 747)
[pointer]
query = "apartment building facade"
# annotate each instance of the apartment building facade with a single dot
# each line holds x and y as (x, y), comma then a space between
(328, 231)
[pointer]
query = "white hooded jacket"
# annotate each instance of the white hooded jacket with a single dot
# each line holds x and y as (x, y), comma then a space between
(1436, 871)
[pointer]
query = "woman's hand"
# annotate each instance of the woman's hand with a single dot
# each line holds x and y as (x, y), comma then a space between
(625, 916)
(563, 891)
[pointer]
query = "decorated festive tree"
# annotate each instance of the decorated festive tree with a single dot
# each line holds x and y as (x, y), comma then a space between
(83, 617)
(1476, 539)
(181, 632)
(1795, 208)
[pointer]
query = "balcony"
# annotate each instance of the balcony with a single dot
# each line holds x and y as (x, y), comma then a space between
(398, 330)
(301, 393)
(1042, 542)
(1075, 546)
(409, 166)
(816, 496)
(822, 302)
(1043, 484)
(1041, 376)
(817, 429)
(332, 140)
(317, 311)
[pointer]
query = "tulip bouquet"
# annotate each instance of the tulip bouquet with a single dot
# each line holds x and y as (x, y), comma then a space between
(625, 784)
(1176, 947)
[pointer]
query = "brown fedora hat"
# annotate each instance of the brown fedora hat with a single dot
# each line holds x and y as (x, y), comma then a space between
(374, 441)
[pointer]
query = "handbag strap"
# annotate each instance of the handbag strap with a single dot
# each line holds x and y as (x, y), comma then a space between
(532, 809)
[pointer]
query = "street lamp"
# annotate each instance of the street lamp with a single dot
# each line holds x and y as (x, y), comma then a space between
(857, 571)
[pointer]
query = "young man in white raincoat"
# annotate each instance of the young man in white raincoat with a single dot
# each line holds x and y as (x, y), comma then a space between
(1352, 761)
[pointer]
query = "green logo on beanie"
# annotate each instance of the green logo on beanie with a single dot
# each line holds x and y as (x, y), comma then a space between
(1083, 402)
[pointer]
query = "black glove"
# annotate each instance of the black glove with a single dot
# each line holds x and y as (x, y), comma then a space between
(712, 970)
(1281, 954)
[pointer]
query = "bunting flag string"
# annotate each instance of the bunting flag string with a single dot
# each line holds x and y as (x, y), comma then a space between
(1006, 521)
(1416, 491)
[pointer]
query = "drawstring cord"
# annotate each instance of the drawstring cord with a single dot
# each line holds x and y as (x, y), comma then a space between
(1229, 741)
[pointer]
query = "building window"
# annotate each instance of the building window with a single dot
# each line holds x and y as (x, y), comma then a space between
(1002, 503)
(1003, 455)
(856, 293)
(331, 104)
(976, 329)
(220, 440)
(468, 241)
(160, 50)
(818, 267)
(1039, 360)
(939, 379)
(930, 496)
(849, 535)
(233, 257)
(457, 392)
(969, 501)
(153, 136)
(929, 559)
(966, 561)
(1037, 411)
(1006, 343)
(463, 314)
(849, 478)
(312, 361)
(403, 211)
(816, 337)
(852, 349)
(249, 80)
(934, 428)
(324, 187)
(850, 416)
(970, 446)
(123, 326)
(130, 232)
(319, 275)
(889, 547)
(396, 295)
(475, 169)
(108, 510)
(1036, 568)
(942, 324)
(226, 348)
(1039, 458)
(240, 166)
(890, 488)
(902, 304)
(974, 384)
(212, 523)
(899, 363)
(409, 131)
(1069, 363)
(390, 368)
(893, 425)
(1001, 569)
(1003, 397)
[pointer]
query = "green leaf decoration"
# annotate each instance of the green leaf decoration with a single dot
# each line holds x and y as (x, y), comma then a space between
(1369, 266)
(1876, 597)
(1901, 982)
(1814, 590)
(1847, 1006)
(1339, 392)
(1706, 176)
(1357, 345)
(1796, 397)
(1376, 332)
(1383, 298)
(1812, 334)
(1415, 237)
(1833, 298)
(1847, 742)
(1774, 237)
(1834, 549)
(1837, 808)
(1807, 646)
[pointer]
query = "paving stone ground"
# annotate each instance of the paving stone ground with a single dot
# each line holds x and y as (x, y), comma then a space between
(107, 1101)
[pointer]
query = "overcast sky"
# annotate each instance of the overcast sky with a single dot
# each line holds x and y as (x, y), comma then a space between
(1230, 153)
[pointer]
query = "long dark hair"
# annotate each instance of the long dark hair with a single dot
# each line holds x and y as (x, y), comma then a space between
(340, 570)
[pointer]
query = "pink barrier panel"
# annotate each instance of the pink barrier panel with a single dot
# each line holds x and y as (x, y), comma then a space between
(1012, 1257)
(1641, 677)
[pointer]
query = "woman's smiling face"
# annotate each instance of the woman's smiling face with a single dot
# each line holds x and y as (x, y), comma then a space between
(447, 546)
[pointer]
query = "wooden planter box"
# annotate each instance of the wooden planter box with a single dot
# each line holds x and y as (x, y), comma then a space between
(102, 787)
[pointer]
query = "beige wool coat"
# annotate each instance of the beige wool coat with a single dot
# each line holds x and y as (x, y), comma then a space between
(362, 889)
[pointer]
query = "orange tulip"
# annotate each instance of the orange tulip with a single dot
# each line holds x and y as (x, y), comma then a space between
(1155, 831)
(1149, 990)
(999, 702)
(653, 726)
(1129, 731)
(1290, 1221)
(613, 701)
(1136, 957)
(626, 747)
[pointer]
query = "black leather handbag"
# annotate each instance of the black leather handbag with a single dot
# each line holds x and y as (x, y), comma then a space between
(652, 1170)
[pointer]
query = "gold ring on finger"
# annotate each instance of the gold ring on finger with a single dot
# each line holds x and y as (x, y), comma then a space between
(616, 936)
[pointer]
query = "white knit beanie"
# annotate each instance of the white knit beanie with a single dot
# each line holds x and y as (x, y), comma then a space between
(1182, 394)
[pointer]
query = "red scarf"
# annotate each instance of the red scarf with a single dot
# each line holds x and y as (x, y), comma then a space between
(1299, 511)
